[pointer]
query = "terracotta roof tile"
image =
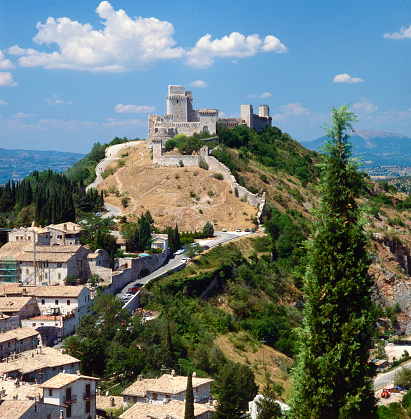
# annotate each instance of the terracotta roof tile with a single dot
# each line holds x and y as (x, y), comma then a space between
(12, 304)
(58, 291)
(60, 380)
(18, 334)
(15, 409)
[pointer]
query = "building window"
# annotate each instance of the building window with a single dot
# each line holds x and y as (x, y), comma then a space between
(59, 264)
(154, 396)
(68, 411)
(27, 271)
(56, 302)
(50, 392)
(59, 275)
(88, 406)
(43, 302)
(34, 324)
(68, 302)
(45, 275)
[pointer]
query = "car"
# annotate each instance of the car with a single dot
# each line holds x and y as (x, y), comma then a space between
(98, 214)
(252, 230)
(205, 247)
(246, 230)
(179, 252)
(133, 290)
(224, 230)
(126, 297)
(238, 230)
(184, 260)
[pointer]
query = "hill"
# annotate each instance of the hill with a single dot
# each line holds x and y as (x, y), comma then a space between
(17, 164)
(375, 148)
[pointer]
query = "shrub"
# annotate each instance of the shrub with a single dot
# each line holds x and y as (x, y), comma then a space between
(200, 211)
(202, 163)
(252, 189)
(192, 194)
(176, 176)
(263, 177)
(210, 193)
(236, 191)
(180, 162)
(218, 176)
(125, 201)
(121, 163)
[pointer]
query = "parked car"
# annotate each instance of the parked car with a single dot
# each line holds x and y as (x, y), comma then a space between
(205, 247)
(126, 297)
(238, 230)
(252, 230)
(179, 252)
(224, 230)
(246, 230)
(184, 260)
(133, 289)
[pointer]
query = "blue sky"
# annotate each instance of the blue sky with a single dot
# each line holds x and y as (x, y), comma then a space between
(76, 72)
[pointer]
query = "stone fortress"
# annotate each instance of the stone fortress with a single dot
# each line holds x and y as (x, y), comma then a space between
(181, 118)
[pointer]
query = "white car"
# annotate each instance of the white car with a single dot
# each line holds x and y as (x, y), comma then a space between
(224, 230)
(184, 260)
(179, 252)
(238, 230)
(126, 297)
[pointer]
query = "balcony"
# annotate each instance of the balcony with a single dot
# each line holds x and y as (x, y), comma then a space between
(89, 396)
(71, 400)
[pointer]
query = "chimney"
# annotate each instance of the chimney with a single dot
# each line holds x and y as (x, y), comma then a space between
(112, 403)
(173, 373)
(194, 374)
(61, 414)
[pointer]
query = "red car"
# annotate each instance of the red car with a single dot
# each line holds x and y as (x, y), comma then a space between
(133, 290)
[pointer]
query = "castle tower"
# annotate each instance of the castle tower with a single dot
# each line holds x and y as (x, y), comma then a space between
(177, 105)
(264, 111)
(247, 115)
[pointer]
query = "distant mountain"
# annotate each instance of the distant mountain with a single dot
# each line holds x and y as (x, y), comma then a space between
(375, 147)
(17, 164)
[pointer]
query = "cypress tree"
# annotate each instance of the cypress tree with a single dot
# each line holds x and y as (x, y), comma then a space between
(332, 377)
(189, 407)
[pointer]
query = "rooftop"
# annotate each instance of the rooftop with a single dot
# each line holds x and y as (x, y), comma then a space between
(104, 402)
(18, 334)
(174, 408)
(60, 380)
(59, 291)
(15, 409)
(167, 383)
(13, 304)
(33, 360)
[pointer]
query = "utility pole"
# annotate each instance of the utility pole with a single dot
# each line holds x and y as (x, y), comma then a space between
(263, 341)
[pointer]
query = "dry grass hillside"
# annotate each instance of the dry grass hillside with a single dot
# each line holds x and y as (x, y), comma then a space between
(187, 196)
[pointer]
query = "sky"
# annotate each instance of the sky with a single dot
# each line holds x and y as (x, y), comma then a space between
(77, 72)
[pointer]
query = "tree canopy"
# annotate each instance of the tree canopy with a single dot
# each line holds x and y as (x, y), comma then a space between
(332, 377)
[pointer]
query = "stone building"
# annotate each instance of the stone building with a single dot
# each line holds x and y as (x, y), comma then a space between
(18, 340)
(249, 118)
(74, 391)
(166, 388)
(181, 118)
(30, 409)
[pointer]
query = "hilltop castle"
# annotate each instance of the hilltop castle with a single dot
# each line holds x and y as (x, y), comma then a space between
(181, 118)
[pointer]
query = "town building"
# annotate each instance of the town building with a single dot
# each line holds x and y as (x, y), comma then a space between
(181, 118)
(23, 262)
(106, 404)
(18, 340)
(74, 391)
(166, 388)
(23, 307)
(38, 365)
(30, 409)
(173, 409)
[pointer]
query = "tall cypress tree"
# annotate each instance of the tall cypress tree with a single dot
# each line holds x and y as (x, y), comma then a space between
(332, 377)
(189, 406)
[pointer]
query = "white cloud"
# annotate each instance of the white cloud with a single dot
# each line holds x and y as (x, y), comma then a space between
(346, 78)
(5, 64)
(6, 79)
(134, 109)
(403, 33)
(235, 62)
(22, 115)
(55, 100)
(262, 96)
(295, 109)
(124, 43)
(3, 102)
(234, 45)
(198, 83)
(364, 106)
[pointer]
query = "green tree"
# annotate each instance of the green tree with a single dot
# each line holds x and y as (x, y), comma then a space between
(235, 388)
(332, 377)
(402, 378)
(208, 229)
(267, 406)
(189, 407)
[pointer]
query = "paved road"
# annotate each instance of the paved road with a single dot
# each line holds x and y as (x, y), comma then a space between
(383, 379)
(111, 153)
(177, 259)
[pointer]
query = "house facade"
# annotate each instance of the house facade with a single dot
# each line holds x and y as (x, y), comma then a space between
(18, 340)
(74, 391)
